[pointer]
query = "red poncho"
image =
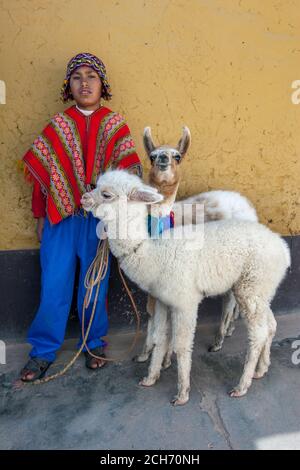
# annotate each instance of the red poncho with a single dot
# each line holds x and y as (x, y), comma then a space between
(72, 151)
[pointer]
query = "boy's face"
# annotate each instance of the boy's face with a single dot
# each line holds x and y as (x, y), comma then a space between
(86, 87)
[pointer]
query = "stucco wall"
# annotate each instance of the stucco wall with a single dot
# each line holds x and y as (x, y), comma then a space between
(224, 68)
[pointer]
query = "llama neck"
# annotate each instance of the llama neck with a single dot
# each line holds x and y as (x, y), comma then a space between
(167, 185)
(169, 192)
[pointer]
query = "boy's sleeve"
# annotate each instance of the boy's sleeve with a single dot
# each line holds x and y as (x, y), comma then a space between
(38, 201)
(121, 152)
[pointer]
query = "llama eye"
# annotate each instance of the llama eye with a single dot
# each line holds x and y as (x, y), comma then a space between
(152, 158)
(177, 158)
(106, 195)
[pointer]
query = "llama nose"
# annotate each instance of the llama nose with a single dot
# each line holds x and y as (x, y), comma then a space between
(163, 158)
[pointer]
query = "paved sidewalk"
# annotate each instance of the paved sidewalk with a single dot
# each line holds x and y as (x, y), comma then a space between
(108, 410)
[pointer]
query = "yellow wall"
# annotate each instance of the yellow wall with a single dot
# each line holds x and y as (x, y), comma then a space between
(224, 68)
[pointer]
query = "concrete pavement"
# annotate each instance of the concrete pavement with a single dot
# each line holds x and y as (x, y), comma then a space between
(108, 410)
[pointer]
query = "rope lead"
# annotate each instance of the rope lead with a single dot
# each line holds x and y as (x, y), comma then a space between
(95, 274)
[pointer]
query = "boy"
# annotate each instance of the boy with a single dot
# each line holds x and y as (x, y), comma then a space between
(63, 163)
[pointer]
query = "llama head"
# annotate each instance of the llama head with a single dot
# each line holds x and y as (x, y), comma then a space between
(117, 187)
(165, 160)
(165, 156)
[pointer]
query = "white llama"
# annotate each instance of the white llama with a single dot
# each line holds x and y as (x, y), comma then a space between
(244, 256)
(165, 176)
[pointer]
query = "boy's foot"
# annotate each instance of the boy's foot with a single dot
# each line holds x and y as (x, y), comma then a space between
(35, 369)
(93, 362)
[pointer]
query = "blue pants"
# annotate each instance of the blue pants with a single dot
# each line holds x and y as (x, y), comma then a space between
(60, 246)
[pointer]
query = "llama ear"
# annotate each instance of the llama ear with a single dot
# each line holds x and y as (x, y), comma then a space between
(148, 196)
(184, 142)
(148, 142)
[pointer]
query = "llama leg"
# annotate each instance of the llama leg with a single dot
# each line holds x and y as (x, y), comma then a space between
(160, 339)
(149, 343)
(168, 357)
(258, 333)
(150, 307)
(171, 347)
(235, 316)
(264, 358)
(228, 305)
(184, 325)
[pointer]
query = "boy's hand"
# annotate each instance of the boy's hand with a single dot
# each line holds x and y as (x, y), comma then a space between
(40, 227)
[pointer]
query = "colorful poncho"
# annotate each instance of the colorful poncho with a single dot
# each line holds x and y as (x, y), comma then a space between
(72, 151)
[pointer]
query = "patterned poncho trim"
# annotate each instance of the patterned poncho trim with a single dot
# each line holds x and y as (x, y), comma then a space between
(72, 151)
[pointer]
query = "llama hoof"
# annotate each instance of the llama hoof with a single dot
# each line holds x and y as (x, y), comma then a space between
(259, 374)
(166, 364)
(214, 348)
(177, 401)
(230, 331)
(141, 358)
(237, 393)
(147, 382)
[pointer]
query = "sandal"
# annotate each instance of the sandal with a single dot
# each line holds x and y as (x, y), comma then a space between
(38, 366)
(89, 359)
